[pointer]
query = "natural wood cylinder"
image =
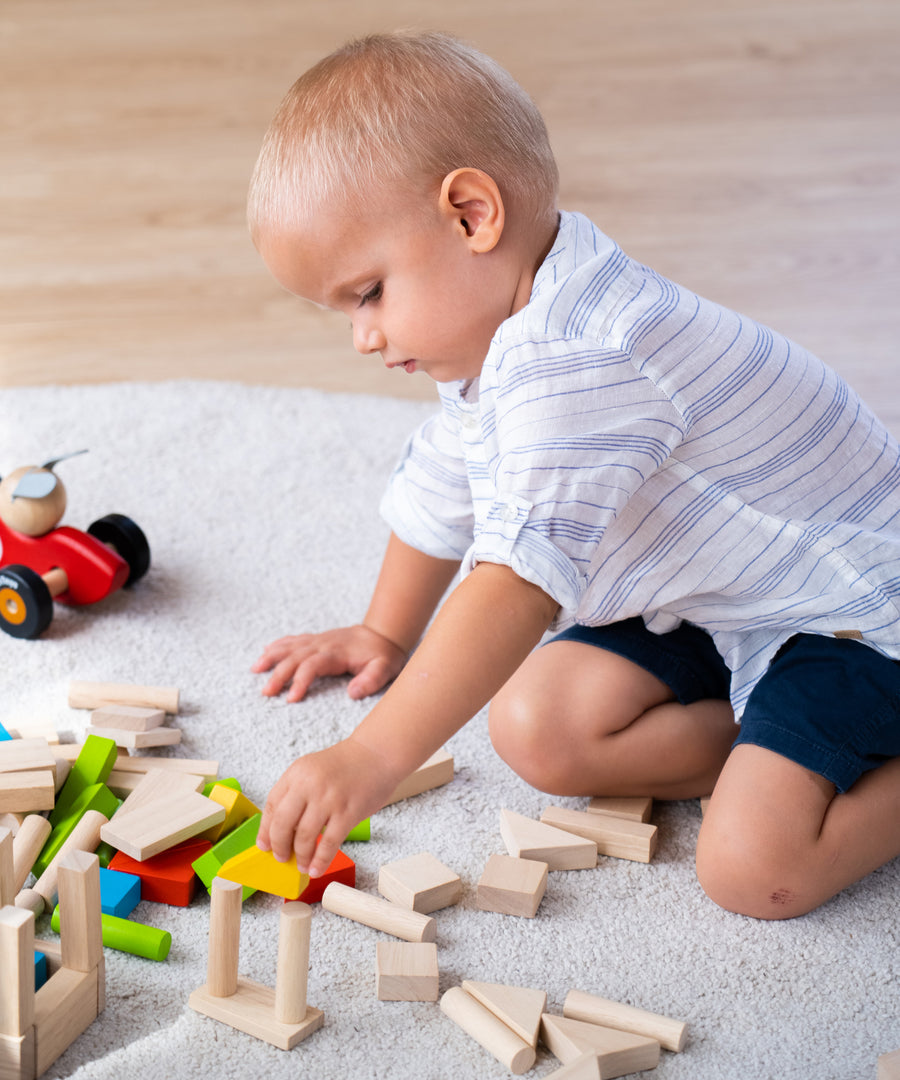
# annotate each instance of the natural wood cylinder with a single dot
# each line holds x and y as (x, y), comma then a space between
(224, 937)
(292, 971)
(671, 1034)
(488, 1031)
(377, 913)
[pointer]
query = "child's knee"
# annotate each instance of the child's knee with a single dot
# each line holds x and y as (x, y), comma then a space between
(522, 732)
(743, 875)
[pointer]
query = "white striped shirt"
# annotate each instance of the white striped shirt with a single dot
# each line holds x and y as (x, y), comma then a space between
(633, 449)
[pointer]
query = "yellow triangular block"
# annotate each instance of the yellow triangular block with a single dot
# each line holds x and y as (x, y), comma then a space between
(261, 870)
(518, 1007)
(238, 809)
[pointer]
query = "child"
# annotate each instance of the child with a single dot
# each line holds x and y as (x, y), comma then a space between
(705, 515)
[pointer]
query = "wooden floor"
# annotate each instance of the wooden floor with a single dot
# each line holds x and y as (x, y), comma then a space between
(750, 149)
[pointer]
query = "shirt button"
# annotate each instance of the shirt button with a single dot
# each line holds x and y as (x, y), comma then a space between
(509, 513)
(469, 420)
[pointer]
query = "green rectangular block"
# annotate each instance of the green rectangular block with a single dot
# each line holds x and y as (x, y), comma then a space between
(238, 840)
(95, 797)
(93, 765)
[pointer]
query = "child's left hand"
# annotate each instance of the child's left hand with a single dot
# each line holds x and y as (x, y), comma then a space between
(327, 793)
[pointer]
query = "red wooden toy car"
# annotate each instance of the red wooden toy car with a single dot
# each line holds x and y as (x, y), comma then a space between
(40, 562)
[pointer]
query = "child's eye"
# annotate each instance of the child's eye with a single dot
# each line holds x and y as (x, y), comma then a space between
(372, 295)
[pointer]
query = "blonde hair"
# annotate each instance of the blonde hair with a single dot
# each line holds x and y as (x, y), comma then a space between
(407, 108)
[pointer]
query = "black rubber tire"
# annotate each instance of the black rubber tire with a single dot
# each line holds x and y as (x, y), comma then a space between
(127, 539)
(26, 606)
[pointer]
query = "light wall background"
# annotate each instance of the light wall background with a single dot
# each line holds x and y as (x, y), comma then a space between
(750, 149)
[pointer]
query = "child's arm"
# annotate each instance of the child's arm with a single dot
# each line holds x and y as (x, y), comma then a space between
(486, 628)
(408, 590)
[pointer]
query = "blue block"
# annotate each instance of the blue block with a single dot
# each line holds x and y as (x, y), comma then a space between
(4, 734)
(120, 893)
(40, 970)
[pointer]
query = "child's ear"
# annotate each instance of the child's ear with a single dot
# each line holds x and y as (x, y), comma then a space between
(472, 202)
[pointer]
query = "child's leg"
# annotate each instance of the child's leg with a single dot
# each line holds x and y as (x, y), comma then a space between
(580, 720)
(777, 841)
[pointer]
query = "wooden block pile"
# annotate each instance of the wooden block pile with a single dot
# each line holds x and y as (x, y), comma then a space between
(515, 883)
(595, 1038)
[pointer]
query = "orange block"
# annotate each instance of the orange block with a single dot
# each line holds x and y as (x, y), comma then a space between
(261, 870)
(167, 878)
(342, 869)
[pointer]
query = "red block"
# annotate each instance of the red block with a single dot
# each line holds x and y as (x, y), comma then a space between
(342, 869)
(167, 878)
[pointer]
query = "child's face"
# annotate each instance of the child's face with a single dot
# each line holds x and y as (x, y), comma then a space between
(408, 280)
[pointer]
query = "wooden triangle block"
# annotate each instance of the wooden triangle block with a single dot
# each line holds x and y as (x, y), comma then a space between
(518, 1007)
(526, 838)
(619, 1052)
(261, 870)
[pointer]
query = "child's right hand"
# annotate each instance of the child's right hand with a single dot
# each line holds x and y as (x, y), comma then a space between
(299, 660)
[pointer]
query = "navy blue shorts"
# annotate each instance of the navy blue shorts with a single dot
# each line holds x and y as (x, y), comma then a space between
(829, 704)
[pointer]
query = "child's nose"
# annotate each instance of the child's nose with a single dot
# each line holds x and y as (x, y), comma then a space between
(367, 338)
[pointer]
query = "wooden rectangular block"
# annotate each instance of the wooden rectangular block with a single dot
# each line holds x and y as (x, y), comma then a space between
(160, 785)
(209, 770)
(79, 905)
(26, 755)
(158, 826)
(512, 886)
(27, 790)
(93, 695)
(406, 971)
(139, 740)
(435, 772)
(64, 1007)
(889, 1066)
(127, 717)
(16, 971)
(615, 836)
(17, 1056)
(251, 1009)
(419, 882)
(636, 808)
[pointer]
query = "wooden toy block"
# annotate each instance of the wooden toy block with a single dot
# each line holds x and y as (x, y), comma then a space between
(238, 809)
(27, 790)
(261, 870)
(167, 878)
(17, 965)
(618, 1052)
(64, 1008)
(92, 766)
(635, 808)
(419, 882)
(79, 904)
(519, 1007)
(128, 936)
(120, 893)
(377, 913)
(406, 971)
(26, 755)
(512, 886)
(98, 799)
(83, 837)
(94, 695)
(209, 770)
(281, 1016)
(63, 768)
(139, 740)
(435, 772)
(889, 1066)
(342, 869)
(526, 838)
(225, 781)
(41, 972)
(362, 832)
(614, 836)
(586, 1067)
(160, 785)
(7, 869)
(12, 821)
(158, 826)
(671, 1034)
(498, 1039)
(127, 718)
(244, 836)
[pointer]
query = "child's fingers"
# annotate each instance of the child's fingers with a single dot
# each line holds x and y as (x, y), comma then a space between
(329, 843)
(374, 676)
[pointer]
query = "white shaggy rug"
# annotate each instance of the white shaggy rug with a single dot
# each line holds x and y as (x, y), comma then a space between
(260, 508)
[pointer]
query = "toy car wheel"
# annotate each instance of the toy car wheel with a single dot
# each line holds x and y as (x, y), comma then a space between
(126, 539)
(26, 606)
